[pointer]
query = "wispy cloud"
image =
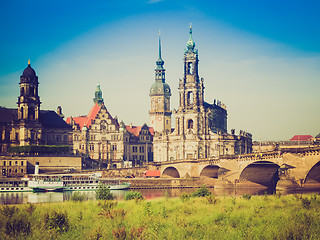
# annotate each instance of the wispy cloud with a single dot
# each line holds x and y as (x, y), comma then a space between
(154, 1)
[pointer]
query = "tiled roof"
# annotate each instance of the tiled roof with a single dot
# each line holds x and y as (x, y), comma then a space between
(7, 115)
(301, 138)
(48, 119)
(86, 120)
(136, 130)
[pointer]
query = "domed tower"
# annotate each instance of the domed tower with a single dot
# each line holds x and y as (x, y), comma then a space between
(98, 96)
(160, 114)
(29, 100)
(29, 108)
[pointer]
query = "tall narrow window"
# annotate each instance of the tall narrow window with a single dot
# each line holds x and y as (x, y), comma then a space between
(190, 98)
(190, 68)
(190, 124)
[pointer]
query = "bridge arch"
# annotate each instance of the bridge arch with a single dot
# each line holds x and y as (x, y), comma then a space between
(210, 171)
(262, 172)
(314, 174)
(171, 172)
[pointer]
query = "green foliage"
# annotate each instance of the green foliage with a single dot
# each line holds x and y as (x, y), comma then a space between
(211, 199)
(246, 196)
(8, 211)
(17, 225)
(40, 149)
(14, 222)
(108, 204)
(184, 197)
(78, 197)
(103, 193)
(210, 217)
(201, 192)
(305, 202)
(30, 208)
(130, 195)
(56, 220)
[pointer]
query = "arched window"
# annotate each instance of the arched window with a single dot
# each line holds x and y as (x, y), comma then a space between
(22, 91)
(190, 98)
(31, 91)
(190, 68)
(190, 124)
(31, 113)
(21, 112)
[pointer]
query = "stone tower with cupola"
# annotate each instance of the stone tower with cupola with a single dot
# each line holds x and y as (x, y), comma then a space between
(29, 108)
(160, 93)
(191, 90)
(29, 100)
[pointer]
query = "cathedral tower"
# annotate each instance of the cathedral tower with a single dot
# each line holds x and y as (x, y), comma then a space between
(29, 108)
(191, 94)
(160, 114)
(29, 100)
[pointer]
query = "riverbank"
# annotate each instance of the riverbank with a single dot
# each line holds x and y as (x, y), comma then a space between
(243, 217)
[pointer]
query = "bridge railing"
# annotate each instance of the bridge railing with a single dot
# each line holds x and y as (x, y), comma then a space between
(307, 151)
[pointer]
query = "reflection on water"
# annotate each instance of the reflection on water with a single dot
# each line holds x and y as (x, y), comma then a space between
(30, 197)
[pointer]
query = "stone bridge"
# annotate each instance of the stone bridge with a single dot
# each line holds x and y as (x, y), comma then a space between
(293, 166)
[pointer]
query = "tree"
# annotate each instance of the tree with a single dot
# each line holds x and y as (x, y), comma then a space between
(103, 193)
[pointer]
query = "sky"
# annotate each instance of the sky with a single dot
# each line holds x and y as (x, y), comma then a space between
(260, 58)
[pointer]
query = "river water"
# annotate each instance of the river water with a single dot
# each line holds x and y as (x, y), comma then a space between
(30, 197)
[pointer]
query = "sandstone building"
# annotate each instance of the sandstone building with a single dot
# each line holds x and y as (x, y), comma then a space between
(28, 125)
(101, 137)
(200, 127)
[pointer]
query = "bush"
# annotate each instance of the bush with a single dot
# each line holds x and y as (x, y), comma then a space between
(201, 192)
(246, 196)
(77, 197)
(184, 197)
(133, 195)
(57, 221)
(17, 225)
(40, 149)
(103, 193)
(305, 203)
(212, 199)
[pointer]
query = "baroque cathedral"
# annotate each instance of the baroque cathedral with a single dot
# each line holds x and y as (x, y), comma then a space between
(200, 127)
(27, 124)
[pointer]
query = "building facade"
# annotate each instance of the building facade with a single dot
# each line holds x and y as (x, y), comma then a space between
(200, 127)
(28, 125)
(101, 137)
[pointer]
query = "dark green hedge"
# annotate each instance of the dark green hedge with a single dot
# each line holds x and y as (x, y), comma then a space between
(40, 149)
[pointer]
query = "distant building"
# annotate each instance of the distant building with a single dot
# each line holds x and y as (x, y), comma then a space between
(200, 127)
(28, 125)
(101, 137)
(301, 138)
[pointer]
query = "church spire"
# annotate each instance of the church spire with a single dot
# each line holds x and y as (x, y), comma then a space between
(160, 62)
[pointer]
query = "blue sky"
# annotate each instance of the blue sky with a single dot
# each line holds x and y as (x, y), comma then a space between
(261, 58)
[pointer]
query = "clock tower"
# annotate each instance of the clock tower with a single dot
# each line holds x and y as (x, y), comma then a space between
(160, 113)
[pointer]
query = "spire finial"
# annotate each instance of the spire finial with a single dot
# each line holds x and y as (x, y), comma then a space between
(29, 62)
(190, 43)
(159, 44)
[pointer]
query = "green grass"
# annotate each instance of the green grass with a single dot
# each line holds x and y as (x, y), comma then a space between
(210, 217)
